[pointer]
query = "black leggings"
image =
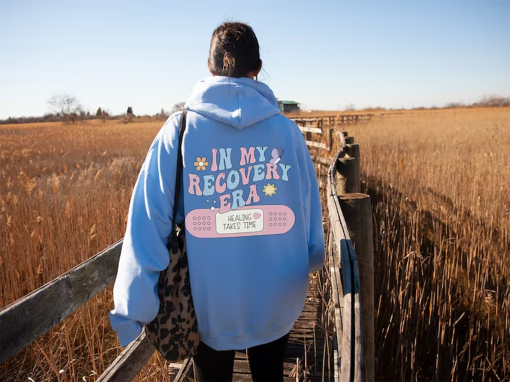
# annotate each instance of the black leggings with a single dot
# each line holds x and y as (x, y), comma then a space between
(266, 362)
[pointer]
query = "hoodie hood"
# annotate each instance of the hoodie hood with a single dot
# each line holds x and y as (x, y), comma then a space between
(239, 102)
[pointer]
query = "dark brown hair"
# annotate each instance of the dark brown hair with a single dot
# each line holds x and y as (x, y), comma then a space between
(234, 50)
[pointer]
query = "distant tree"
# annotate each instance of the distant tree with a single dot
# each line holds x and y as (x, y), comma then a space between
(492, 100)
(66, 106)
(178, 107)
(454, 105)
(129, 112)
(350, 107)
(99, 112)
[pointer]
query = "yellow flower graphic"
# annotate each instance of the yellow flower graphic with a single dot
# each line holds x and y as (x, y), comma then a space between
(201, 164)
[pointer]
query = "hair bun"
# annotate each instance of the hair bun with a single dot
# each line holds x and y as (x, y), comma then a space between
(234, 50)
(229, 62)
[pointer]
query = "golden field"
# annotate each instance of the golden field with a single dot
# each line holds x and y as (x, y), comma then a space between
(64, 196)
(439, 183)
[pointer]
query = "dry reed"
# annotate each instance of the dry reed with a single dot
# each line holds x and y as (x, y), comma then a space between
(64, 195)
(439, 187)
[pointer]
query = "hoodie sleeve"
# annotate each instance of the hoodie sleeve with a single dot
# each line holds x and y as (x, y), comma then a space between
(144, 254)
(312, 207)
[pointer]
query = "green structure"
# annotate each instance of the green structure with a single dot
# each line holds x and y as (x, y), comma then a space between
(288, 106)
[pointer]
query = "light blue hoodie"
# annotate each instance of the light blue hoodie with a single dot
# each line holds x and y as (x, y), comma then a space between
(253, 218)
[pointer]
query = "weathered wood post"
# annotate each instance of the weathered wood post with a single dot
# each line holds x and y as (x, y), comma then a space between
(318, 126)
(352, 151)
(348, 181)
(357, 212)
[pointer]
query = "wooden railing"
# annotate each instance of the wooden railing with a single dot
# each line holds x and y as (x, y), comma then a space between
(33, 315)
(309, 126)
(333, 120)
(322, 127)
(350, 226)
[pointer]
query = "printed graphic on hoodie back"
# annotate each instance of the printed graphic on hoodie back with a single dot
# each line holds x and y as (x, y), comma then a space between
(233, 211)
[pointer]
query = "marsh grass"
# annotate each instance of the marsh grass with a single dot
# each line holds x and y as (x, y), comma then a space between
(441, 212)
(64, 196)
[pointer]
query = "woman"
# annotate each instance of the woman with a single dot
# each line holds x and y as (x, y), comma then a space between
(252, 212)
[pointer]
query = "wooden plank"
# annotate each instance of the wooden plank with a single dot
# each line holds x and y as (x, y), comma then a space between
(337, 292)
(129, 363)
(241, 355)
(358, 348)
(351, 348)
(242, 366)
(351, 299)
(319, 145)
(303, 118)
(347, 352)
(357, 212)
(336, 361)
(335, 216)
(184, 371)
(307, 129)
(33, 315)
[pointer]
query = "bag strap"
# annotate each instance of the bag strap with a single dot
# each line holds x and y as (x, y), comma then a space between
(182, 127)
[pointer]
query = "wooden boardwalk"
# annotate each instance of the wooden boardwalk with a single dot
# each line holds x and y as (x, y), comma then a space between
(306, 343)
(301, 337)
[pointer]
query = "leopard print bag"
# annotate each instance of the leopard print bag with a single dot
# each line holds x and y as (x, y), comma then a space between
(174, 331)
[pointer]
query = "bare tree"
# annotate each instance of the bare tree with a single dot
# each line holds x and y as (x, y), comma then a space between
(66, 106)
(493, 100)
(178, 107)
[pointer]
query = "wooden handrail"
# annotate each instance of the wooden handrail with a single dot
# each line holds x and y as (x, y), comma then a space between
(33, 315)
(129, 363)
(344, 275)
(307, 129)
(316, 129)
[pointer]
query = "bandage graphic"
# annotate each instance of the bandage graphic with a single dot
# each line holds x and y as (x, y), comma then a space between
(244, 221)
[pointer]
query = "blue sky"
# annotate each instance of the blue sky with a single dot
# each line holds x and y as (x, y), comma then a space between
(324, 54)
